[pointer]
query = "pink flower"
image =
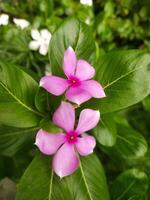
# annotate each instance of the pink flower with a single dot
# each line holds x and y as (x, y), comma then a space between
(78, 86)
(65, 146)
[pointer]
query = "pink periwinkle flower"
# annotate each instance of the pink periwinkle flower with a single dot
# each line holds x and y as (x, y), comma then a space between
(67, 146)
(78, 86)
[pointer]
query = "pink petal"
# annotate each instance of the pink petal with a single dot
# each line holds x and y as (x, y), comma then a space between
(48, 143)
(85, 145)
(84, 70)
(65, 161)
(77, 95)
(88, 120)
(70, 61)
(64, 116)
(93, 88)
(54, 84)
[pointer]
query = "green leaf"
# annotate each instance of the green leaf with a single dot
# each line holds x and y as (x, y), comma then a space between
(87, 183)
(36, 180)
(48, 126)
(105, 132)
(131, 184)
(146, 103)
(129, 145)
(41, 100)
(71, 33)
(17, 93)
(12, 139)
(125, 76)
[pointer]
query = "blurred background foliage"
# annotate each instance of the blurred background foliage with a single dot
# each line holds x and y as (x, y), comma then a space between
(123, 24)
(116, 24)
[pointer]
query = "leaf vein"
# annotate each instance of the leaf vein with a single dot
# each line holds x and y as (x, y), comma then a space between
(20, 102)
(125, 191)
(19, 132)
(86, 185)
(130, 72)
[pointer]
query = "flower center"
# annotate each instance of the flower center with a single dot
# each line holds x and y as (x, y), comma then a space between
(73, 81)
(71, 137)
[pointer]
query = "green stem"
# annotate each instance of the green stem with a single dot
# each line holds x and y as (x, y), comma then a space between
(51, 183)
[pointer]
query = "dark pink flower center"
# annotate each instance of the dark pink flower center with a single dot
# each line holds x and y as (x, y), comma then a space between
(72, 137)
(73, 81)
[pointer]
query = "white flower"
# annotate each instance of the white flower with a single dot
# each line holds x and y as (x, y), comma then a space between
(22, 23)
(4, 19)
(40, 41)
(87, 2)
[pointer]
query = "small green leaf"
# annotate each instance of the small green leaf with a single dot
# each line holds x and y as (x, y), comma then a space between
(131, 184)
(71, 33)
(105, 132)
(42, 100)
(48, 126)
(40, 182)
(129, 145)
(17, 93)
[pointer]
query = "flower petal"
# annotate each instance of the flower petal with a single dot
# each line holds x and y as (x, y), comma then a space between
(22, 23)
(88, 119)
(34, 45)
(86, 2)
(65, 161)
(4, 19)
(43, 49)
(70, 61)
(35, 34)
(94, 88)
(85, 145)
(46, 35)
(77, 95)
(54, 84)
(84, 70)
(64, 116)
(48, 143)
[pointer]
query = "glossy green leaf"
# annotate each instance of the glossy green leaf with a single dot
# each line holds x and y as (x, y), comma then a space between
(71, 33)
(40, 182)
(131, 184)
(17, 93)
(125, 76)
(129, 145)
(105, 132)
(12, 139)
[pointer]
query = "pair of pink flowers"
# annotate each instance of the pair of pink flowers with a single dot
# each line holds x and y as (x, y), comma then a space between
(67, 145)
